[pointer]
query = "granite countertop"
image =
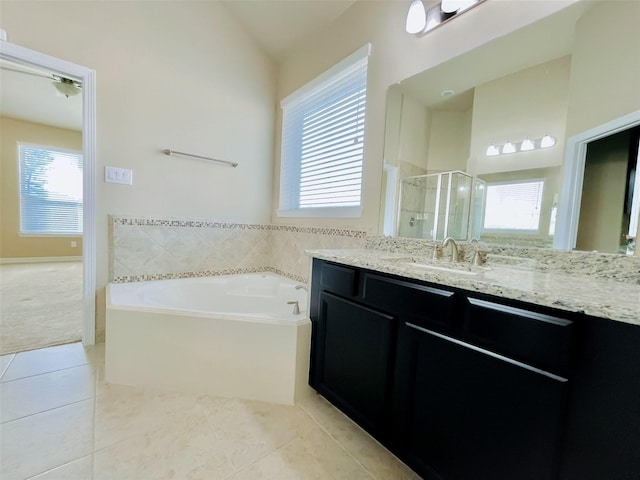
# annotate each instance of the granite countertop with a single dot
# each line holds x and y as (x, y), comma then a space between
(575, 293)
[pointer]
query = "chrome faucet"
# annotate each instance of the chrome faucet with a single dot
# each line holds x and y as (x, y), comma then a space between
(302, 287)
(454, 248)
(477, 259)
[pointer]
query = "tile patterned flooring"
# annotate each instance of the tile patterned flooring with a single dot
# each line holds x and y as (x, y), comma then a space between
(59, 420)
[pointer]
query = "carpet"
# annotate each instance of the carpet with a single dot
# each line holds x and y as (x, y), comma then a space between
(40, 305)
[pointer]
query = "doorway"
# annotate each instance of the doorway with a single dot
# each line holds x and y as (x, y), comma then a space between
(608, 223)
(573, 176)
(85, 77)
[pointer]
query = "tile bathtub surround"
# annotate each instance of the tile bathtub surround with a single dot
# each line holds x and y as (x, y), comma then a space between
(603, 266)
(85, 429)
(153, 249)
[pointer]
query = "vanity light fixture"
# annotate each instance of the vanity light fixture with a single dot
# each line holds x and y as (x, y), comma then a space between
(416, 18)
(547, 141)
(526, 145)
(492, 151)
(456, 6)
(509, 148)
(420, 21)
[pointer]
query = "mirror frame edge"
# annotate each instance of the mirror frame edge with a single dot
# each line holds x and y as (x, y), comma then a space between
(19, 54)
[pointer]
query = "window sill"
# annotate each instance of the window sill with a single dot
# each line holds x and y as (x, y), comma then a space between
(322, 212)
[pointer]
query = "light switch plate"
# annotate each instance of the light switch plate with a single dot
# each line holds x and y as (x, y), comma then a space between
(118, 175)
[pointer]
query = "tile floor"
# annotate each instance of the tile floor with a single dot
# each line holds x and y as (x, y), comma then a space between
(59, 420)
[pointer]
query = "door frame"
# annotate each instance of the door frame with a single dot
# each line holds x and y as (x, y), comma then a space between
(573, 175)
(25, 56)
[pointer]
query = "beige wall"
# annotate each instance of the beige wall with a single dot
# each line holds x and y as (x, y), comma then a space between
(529, 103)
(603, 190)
(605, 66)
(181, 75)
(12, 245)
(449, 141)
(395, 55)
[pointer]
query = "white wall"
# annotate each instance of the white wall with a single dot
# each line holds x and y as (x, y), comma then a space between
(395, 55)
(180, 75)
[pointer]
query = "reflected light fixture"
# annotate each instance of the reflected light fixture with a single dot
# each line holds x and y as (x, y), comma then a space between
(547, 141)
(509, 148)
(492, 151)
(527, 144)
(416, 18)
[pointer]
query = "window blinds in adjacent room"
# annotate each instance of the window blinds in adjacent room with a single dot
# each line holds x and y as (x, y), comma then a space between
(322, 142)
(513, 206)
(50, 191)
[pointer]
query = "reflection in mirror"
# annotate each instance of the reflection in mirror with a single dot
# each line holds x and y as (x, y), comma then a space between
(439, 205)
(610, 194)
(499, 114)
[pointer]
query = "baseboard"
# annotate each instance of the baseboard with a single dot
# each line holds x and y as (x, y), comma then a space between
(39, 259)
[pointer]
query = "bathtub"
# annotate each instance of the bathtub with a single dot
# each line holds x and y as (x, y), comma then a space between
(232, 335)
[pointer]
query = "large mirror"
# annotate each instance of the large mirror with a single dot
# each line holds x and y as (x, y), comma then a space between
(500, 115)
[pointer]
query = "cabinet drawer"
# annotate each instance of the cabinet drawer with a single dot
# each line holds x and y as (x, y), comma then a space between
(339, 279)
(535, 338)
(423, 305)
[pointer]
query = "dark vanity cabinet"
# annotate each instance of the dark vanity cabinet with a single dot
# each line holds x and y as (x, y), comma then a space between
(354, 359)
(466, 409)
(465, 386)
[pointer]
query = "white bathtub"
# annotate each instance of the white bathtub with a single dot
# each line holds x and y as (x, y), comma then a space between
(232, 335)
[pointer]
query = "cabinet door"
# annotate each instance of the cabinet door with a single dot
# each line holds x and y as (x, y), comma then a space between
(353, 359)
(473, 414)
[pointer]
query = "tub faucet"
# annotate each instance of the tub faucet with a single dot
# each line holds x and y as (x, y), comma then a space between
(302, 287)
(454, 248)
(296, 307)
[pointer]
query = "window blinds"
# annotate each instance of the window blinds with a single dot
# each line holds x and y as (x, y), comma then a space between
(50, 191)
(322, 141)
(513, 206)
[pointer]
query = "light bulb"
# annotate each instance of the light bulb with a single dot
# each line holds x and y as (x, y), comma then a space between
(492, 151)
(509, 148)
(527, 145)
(416, 18)
(451, 6)
(547, 141)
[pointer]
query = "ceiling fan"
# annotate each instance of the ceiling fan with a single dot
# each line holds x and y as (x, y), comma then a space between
(66, 86)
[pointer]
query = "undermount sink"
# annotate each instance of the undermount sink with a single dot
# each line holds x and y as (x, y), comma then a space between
(462, 270)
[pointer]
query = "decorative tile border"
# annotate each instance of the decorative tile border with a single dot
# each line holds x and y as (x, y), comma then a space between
(155, 222)
(206, 273)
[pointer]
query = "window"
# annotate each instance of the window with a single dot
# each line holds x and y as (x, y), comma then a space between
(50, 191)
(513, 206)
(322, 142)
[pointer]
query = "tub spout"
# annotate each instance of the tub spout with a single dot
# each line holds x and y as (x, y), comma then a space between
(296, 307)
(302, 287)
